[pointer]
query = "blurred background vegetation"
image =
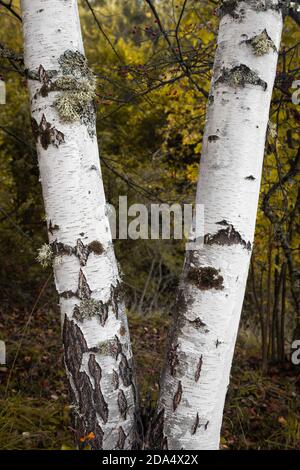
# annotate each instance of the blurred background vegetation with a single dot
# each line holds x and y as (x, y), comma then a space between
(151, 116)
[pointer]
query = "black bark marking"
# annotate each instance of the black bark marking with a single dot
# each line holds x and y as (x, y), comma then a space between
(206, 278)
(206, 425)
(177, 396)
(213, 138)
(118, 347)
(173, 358)
(122, 330)
(115, 380)
(46, 133)
(97, 443)
(156, 434)
(52, 228)
(240, 76)
(85, 418)
(122, 404)
(125, 371)
(82, 252)
(116, 297)
(96, 247)
(218, 343)
(199, 368)
(60, 249)
(84, 291)
(45, 79)
(226, 237)
(250, 178)
(198, 323)
(165, 444)
(100, 404)
(121, 438)
(68, 294)
(196, 424)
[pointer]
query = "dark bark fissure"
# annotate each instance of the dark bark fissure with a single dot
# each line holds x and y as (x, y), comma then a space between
(46, 133)
(227, 236)
(156, 438)
(196, 424)
(87, 400)
(100, 404)
(122, 404)
(121, 439)
(115, 380)
(125, 372)
(173, 358)
(199, 368)
(177, 397)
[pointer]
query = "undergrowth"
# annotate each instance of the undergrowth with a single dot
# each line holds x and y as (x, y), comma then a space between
(262, 410)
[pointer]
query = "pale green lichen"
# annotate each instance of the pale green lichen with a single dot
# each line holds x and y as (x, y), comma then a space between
(45, 255)
(78, 86)
(109, 348)
(261, 44)
(89, 308)
(240, 76)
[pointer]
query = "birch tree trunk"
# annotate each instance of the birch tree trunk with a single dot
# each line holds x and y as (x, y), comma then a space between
(196, 376)
(97, 350)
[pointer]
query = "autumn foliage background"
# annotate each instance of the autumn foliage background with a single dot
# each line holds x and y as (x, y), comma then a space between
(151, 116)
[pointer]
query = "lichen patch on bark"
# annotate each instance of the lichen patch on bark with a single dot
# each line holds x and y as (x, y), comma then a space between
(240, 76)
(77, 85)
(231, 7)
(261, 44)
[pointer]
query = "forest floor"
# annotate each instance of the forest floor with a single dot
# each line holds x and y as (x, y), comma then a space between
(262, 410)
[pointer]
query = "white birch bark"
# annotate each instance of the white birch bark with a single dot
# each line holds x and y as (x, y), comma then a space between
(96, 340)
(196, 376)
